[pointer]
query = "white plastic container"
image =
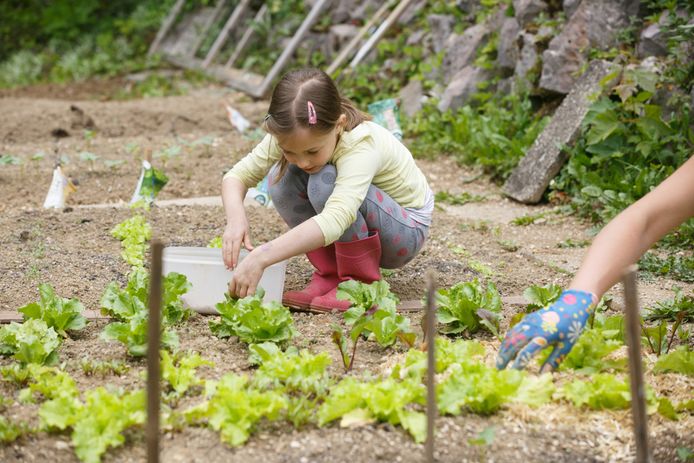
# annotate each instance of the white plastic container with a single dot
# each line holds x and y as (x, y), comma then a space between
(205, 270)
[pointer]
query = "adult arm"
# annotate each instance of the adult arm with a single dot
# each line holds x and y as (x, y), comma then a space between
(624, 240)
(617, 246)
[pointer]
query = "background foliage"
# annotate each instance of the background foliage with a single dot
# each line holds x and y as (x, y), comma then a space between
(632, 139)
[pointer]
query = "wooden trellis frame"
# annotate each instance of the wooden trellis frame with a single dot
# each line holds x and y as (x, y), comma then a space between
(254, 84)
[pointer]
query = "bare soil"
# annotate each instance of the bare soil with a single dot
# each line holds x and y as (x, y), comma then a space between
(73, 250)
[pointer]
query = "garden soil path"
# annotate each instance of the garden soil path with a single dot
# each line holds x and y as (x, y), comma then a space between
(73, 250)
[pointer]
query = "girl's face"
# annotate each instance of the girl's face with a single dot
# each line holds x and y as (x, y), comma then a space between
(309, 150)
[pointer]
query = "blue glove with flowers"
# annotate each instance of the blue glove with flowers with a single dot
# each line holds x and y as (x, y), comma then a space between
(558, 325)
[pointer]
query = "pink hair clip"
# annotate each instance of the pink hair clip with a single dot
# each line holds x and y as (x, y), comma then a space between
(312, 116)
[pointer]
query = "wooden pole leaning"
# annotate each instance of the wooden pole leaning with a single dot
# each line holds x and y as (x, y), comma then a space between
(366, 48)
(233, 20)
(431, 364)
(165, 26)
(347, 49)
(153, 343)
(246, 37)
(638, 390)
(292, 46)
(206, 27)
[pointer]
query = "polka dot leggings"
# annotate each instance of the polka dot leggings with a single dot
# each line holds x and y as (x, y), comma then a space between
(298, 196)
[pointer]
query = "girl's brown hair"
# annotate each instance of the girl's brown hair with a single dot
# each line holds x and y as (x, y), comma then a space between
(289, 106)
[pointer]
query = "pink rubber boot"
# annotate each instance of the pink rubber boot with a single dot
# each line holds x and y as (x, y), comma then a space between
(324, 279)
(356, 260)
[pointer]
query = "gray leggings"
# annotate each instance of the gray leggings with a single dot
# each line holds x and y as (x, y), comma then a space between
(298, 196)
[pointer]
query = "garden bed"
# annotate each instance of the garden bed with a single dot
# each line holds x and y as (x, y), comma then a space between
(73, 250)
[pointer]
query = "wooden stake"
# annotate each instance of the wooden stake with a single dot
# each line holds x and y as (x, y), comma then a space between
(248, 33)
(166, 25)
(153, 342)
(293, 44)
(431, 365)
(638, 391)
(366, 48)
(206, 27)
(344, 53)
(224, 34)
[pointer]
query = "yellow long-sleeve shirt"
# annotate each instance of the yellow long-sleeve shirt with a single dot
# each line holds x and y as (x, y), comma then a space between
(367, 154)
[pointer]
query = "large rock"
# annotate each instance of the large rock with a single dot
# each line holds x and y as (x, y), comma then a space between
(441, 26)
(462, 87)
(528, 62)
(570, 7)
(542, 162)
(339, 35)
(461, 50)
(420, 37)
(652, 41)
(507, 50)
(527, 10)
(595, 24)
(411, 96)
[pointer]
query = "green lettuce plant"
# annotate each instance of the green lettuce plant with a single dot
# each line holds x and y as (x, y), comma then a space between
(61, 314)
(253, 321)
(468, 307)
(30, 342)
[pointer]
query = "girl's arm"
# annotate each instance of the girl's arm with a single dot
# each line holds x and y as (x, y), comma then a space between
(631, 233)
(236, 232)
(303, 238)
(298, 240)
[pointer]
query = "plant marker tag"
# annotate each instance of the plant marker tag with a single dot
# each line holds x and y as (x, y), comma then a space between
(387, 114)
(150, 183)
(260, 193)
(237, 120)
(60, 188)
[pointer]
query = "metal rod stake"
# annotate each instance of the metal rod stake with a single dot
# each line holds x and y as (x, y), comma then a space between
(638, 390)
(431, 365)
(153, 342)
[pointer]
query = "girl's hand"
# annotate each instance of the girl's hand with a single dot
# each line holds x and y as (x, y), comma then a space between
(236, 234)
(246, 276)
(558, 325)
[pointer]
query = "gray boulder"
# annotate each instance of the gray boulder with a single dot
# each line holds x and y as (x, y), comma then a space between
(507, 50)
(411, 97)
(544, 159)
(527, 10)
(461, 50)
(441, 26)
(570, 6)
(594, 25)
(652, 41)
(462, 87)
(528, 61)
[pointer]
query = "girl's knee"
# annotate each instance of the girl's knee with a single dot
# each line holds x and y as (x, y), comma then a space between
(321, 186)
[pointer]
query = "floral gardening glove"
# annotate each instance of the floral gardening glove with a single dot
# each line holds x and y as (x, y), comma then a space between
(560, 325)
